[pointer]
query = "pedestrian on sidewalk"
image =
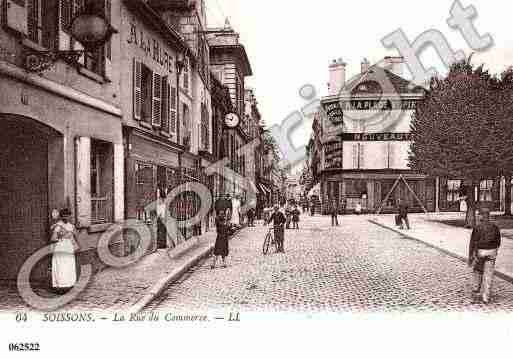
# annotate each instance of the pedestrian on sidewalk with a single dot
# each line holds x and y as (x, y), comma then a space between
(278, 219)
(295, 217)
(334, 213)
(288, 214)
(251, 217)
(221, 248)
(402, 208)
(64, 266)
(483, 250)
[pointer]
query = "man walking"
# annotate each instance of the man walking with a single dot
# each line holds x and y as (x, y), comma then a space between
(482, 254)
(403, 214)
(334, 213)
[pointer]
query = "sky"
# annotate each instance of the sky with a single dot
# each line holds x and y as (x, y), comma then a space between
(290, 43)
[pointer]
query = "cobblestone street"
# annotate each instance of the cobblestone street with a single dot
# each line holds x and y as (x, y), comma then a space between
(355, 267)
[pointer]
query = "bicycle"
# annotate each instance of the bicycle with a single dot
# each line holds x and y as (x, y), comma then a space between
(270, 240)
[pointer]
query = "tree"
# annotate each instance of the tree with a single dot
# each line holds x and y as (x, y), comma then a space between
(464, 128)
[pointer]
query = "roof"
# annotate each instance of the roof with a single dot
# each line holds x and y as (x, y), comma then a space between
(388, 81)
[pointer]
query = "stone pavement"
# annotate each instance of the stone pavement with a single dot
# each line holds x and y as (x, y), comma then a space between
(453, 240)
(119, 289)
(356, 267)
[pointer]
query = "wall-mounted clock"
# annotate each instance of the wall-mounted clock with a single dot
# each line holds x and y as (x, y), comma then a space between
(232, 120)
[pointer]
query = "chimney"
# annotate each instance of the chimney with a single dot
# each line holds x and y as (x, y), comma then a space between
(365, 65)
(395, 64)
(337, 77)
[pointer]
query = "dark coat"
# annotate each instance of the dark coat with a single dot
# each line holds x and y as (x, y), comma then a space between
(221, 247)
(484, 236)
(295, 215)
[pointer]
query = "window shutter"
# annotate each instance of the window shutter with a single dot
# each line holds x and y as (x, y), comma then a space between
(137, 90)
(16, 15)
(172, 109)
(165, 104)
(83, 181)
(156, 113)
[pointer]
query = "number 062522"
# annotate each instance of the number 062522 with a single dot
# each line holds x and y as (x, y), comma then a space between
(23, 347)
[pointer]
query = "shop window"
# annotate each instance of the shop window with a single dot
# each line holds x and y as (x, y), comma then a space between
(485, 191)
(145, 188)
(356, 188)
(453, 190)
(102, 172)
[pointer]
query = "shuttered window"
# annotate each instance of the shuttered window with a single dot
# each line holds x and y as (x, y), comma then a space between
(42, 18)
(137, 100)
(165, 104)
(156, 102)
(172, 111)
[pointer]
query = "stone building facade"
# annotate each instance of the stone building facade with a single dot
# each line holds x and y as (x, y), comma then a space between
(61, 134)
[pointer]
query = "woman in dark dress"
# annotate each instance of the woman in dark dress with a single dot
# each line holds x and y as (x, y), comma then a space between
(221, 248)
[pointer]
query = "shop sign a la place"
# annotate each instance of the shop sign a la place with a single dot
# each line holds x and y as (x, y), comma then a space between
(152, 47)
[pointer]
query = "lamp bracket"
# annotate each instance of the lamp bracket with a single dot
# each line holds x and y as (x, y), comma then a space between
(40, 61)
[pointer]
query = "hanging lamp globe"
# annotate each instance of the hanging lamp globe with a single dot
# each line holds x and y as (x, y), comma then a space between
(91, 28)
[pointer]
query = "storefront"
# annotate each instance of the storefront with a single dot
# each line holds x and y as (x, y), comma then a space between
(58, 150)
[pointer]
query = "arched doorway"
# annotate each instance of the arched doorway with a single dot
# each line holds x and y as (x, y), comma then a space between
(29, 152)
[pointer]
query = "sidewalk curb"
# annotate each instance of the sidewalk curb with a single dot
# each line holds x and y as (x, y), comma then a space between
(162, 284)
(503, 275)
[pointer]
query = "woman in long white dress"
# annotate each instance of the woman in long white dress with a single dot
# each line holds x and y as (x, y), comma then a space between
(64, 268)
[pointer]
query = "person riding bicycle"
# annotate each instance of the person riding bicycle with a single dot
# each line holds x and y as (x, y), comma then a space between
(278, 219)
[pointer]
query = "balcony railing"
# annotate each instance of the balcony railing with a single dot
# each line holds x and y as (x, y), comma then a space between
(100, 210)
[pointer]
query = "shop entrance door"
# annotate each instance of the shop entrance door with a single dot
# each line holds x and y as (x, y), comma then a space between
(23, 197)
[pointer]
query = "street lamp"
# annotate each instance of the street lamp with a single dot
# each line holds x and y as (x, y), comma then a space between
(90, 28)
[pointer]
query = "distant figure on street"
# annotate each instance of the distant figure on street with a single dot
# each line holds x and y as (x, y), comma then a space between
(223, 205)
(343, 205)
(288, 214)
(482, 254)
(402, 208)
(295, 217)
(312, 208)
(278, 219)
(251, 217)
(64, 266)
(334, 213)
(221, 247)
(236, 211)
